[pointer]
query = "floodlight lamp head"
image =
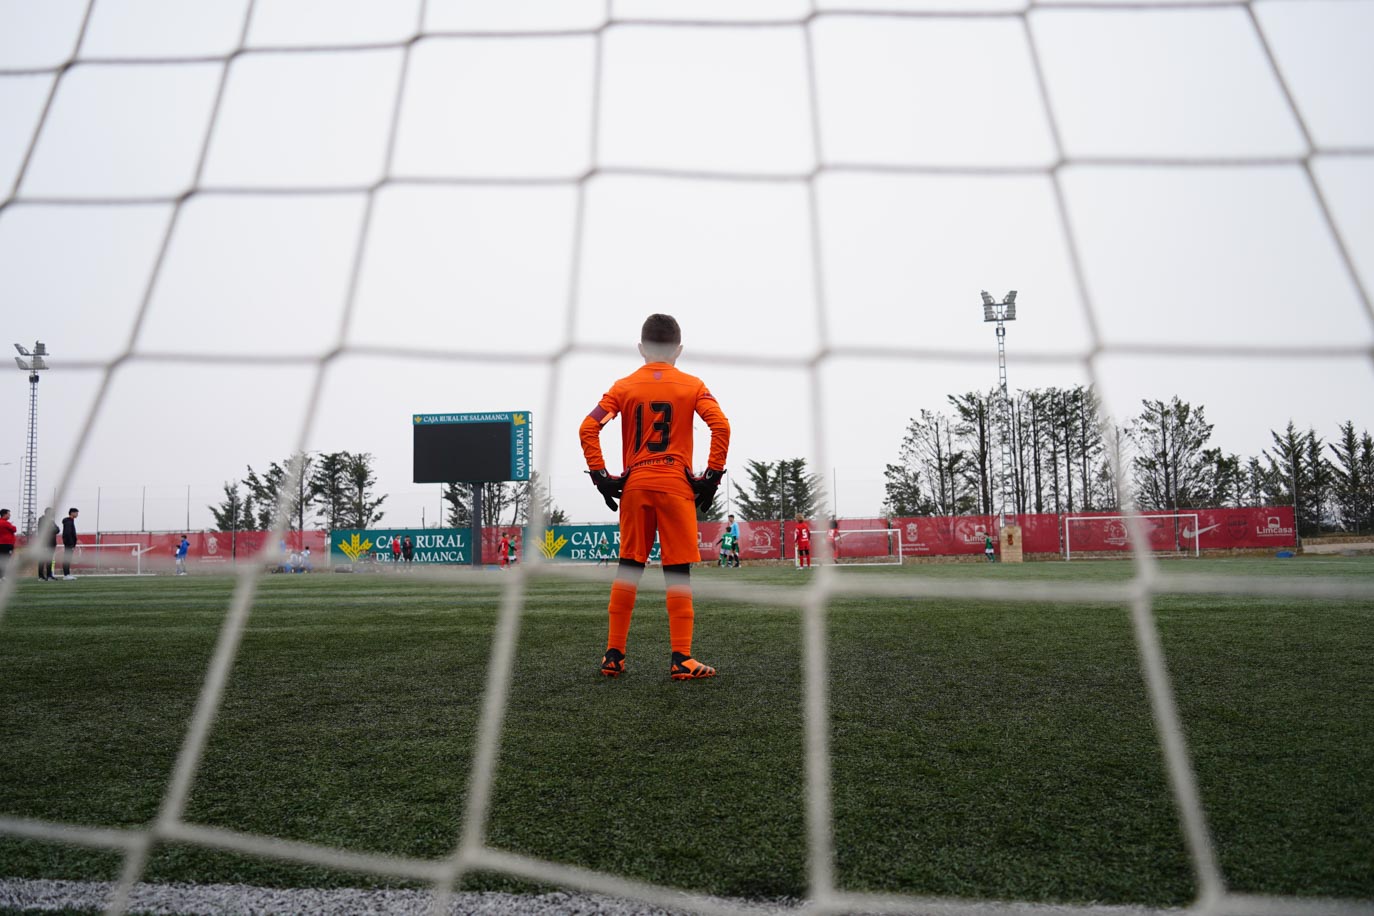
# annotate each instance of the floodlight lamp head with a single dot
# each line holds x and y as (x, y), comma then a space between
(41, 349)
(989, 307)
(1010, 304)
(23, 350)
(19, 361)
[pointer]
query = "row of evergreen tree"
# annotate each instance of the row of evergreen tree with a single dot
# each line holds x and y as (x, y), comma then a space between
(1059, 459)
(333, 489)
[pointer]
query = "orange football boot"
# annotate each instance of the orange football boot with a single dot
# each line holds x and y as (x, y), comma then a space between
(613, 663)
(685, 668)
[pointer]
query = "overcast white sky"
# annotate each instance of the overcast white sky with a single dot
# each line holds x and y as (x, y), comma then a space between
(488, 285)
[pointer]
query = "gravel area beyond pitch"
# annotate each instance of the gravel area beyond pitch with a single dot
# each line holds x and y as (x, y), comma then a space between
(222, 899)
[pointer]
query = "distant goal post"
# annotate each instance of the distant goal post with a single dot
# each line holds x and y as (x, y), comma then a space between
(867, 547)
(104, 559)
(1104, 536)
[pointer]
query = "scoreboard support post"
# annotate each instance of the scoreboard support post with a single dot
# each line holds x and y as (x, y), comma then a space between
(477, 526)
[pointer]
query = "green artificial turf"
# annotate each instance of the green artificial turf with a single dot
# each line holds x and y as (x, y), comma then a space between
(979, 749)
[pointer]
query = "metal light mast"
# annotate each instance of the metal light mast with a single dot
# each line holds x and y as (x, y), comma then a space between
(1000, 312)
(32, 365)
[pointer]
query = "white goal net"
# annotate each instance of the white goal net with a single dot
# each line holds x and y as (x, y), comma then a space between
(104, 560)
(1163, 534)
(256, 217)
(868, 547)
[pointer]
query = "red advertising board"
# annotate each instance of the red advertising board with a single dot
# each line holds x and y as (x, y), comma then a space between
(708, 540)
(757, 540)
(491, 543)
(1249, 528)
(1102, 532)
(1205, 529)
(210, 547)
(943, 536)
(1039, 533)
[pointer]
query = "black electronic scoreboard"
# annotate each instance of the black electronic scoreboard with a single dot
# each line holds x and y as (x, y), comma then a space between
(472, 447)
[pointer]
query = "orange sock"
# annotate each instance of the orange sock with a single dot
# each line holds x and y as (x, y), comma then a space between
(680, 619)
(621, 608)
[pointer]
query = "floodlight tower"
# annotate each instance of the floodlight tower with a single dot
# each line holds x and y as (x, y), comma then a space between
(33, 364)
(1000, 312)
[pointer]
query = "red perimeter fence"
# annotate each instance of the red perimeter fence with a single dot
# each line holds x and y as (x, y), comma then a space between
(1100, 532)
(1092, 532)
(206, 548)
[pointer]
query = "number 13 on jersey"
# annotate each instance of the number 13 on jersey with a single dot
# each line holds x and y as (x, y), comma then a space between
(660, 426)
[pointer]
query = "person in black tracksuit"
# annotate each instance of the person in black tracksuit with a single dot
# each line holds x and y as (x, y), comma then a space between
(68, 542)
(46, 537)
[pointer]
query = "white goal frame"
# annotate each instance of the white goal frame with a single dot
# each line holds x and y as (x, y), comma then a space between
(135, 550)
(839, 559)
(803, 168)
(1125, 520)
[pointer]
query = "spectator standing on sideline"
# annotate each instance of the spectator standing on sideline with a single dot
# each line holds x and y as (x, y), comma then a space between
(408, 550)
(7, 533)
(305, 559)
(45, 536)
(503, 551)
(987, 548)
(69, 542)
(182, 548)
(514, 554)
(396, 553)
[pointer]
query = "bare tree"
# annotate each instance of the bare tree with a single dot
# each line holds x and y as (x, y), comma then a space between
(974, 412)
(927, 453)
(533, 492)
(1169, 469)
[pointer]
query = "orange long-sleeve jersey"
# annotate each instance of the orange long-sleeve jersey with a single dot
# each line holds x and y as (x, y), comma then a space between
(655, 405)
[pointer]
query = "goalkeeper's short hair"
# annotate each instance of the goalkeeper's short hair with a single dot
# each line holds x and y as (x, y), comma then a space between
(660, 331)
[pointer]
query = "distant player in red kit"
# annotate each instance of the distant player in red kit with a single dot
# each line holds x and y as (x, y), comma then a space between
(802, 539)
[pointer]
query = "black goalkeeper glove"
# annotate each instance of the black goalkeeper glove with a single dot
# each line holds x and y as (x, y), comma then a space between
(610, 487)
(705, 487)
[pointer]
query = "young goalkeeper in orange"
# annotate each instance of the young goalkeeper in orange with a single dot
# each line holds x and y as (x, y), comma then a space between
(657, 491)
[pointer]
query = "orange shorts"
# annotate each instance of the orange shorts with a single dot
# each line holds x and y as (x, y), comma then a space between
(672, 516)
